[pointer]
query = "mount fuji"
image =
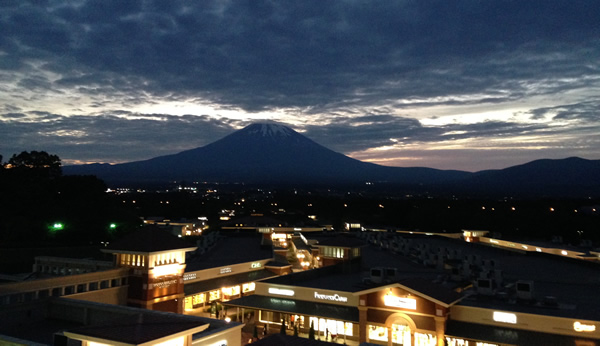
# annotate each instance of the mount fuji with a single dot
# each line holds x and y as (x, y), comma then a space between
(274, 154)
(262, 153)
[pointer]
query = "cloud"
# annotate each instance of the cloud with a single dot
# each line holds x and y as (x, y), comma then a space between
(81, 78)
(264, 55)
(118, 137)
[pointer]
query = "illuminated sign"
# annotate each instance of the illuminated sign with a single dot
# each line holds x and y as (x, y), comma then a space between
(163, 284)
(225, 270)
(505, 317)
(335, 297)
(281, 291)
(399, 302)
(189, 276)
(256, 265)
(580, 327)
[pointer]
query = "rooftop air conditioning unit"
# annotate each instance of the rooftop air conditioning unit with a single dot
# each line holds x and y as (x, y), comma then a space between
(377, 275)
(485, 287)
(524, 289)
(390, 274)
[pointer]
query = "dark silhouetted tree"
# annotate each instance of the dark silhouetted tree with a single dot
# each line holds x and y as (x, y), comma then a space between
(39, 161)
(311, 331)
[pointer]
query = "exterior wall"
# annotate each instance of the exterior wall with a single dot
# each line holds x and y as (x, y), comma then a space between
(538, 323)
(377, 300)
(212, 273)
(24, 291)
(115, 296)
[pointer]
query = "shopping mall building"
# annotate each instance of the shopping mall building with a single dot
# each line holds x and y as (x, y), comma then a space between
(376, 287)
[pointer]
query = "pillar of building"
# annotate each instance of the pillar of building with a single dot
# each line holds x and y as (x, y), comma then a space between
(362, 323)
(440, 330)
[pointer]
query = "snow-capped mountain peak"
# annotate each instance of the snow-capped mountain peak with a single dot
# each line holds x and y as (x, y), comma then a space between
(269, 130)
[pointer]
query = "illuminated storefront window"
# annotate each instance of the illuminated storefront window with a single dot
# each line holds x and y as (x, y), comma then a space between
(231, 291)
(334, 327)
(378, 333)
(425, 339)
(333, 252)
(188, 303)
(214, 295)
(198, 299)
(248, 287)
(400, 335)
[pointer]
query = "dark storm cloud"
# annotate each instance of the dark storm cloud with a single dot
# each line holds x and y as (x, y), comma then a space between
(116, 136)
(318, 55)
(360, 133)
(587, 111)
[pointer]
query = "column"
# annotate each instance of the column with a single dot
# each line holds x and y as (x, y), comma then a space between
(389, 334)
(440, 330)
(362, 324)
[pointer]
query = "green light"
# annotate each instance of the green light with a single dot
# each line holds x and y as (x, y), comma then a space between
(58, 226)
(113, 226)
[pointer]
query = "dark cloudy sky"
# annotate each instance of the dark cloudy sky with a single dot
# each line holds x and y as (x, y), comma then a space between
(447, 84)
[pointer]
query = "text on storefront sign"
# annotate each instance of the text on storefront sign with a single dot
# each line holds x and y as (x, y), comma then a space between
(400, 302)
(335, 297)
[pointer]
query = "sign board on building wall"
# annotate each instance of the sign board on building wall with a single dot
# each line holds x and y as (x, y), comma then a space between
(400, 302)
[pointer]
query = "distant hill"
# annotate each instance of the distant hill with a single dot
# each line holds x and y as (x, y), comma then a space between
(570, 177)
(275, 154)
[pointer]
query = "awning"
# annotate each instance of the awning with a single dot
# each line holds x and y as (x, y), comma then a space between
(509, 336)
(226, 281)
(298, 307)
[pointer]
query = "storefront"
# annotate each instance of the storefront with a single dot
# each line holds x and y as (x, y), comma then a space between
(391, 314)
(204, 288)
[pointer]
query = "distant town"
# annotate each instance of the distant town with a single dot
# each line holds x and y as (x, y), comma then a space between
(234, 264)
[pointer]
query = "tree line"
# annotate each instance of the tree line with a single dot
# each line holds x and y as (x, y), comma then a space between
(40, 206)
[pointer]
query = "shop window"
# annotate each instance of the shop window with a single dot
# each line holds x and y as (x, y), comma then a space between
(188, 303)
(425, 339)
(248, 287)
(214, 295)
(198, 299)
(270, 316)
(332, 326)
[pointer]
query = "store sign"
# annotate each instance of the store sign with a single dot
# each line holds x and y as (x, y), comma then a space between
(281, 291)
(335, 297)
(256, 265)
(505, 317)
(225, 270)
(163, 284)
(189, 276)
(580, 327)
(399, 302)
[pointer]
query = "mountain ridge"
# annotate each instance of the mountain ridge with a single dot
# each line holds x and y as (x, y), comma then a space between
(271, 153)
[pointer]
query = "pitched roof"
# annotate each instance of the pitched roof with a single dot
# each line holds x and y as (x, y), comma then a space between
(342, 241)
(144, 328)
(148, 239)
